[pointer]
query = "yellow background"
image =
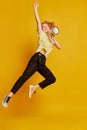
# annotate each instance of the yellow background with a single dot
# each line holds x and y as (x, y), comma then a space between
(63, 105)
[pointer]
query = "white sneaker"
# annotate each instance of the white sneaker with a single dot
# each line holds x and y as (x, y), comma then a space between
(5, 101)
(31, 91)
(5, 105)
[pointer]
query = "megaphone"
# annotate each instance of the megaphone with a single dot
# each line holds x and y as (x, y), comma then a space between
(55, 30)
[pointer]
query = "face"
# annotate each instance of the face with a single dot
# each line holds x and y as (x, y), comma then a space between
(45, 27)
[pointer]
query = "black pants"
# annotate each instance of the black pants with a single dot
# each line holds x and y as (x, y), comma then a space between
(36, 63)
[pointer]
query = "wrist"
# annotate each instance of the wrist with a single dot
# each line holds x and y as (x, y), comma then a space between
(35, 8)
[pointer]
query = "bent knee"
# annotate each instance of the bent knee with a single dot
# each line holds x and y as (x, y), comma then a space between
(53, 80)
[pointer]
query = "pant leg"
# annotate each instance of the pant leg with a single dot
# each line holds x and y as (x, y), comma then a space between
(46, 73)
(49, 77)
(29, 71)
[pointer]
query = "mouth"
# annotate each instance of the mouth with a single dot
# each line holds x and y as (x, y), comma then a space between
(46, 30)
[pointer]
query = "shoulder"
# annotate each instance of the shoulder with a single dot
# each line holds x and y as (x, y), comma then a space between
(42, 33)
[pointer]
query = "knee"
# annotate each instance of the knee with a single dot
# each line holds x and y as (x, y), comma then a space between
(53, 80)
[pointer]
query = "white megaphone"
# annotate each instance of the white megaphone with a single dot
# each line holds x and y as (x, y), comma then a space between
(55, 30)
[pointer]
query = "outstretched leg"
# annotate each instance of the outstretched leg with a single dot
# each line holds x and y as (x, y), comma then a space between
(29, 71)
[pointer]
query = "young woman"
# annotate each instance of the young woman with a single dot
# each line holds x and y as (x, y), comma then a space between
(38, 60)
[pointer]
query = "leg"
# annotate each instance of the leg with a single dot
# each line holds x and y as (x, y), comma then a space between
(49, 77)
(44, 71)
(30, 69)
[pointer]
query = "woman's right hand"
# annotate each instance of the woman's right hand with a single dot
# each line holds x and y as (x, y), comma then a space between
(36, 4)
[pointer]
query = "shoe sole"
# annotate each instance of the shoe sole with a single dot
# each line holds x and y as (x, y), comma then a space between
(4, 105)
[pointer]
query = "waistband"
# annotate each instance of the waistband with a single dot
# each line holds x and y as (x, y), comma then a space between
(40, 54)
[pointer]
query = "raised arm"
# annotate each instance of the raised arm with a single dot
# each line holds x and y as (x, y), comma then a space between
(35, 5)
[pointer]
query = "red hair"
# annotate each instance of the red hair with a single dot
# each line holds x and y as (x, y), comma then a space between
(50, 24)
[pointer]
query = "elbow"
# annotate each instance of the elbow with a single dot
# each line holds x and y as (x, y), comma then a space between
(59, 47)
